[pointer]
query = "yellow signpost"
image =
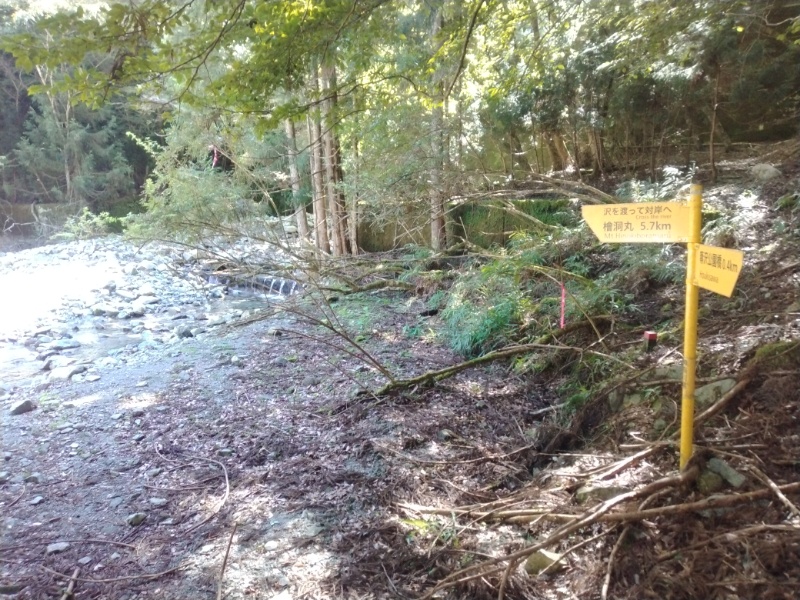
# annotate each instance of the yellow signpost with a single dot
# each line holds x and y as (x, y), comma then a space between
(718, 269)
(643, 222)
(707, 267)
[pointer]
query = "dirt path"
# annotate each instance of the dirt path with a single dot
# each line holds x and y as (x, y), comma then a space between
(250, 430)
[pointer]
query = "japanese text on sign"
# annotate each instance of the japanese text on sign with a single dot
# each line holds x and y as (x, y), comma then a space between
(650, 222)
(717, 269)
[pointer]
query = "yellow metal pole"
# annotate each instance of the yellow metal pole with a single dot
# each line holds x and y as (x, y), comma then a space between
(690, 326)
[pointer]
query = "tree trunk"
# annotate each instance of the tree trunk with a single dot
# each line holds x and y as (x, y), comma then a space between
(318, 186)
(712, 135)
(437, 205)
(336, 208)
(353, 216)
(294, 176)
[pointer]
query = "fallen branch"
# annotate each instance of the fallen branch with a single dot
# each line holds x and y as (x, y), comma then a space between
(440, 374)
(117, 579)
(706, 504)
(89, 541)
(728, 536)
(225, 562)
(71, 586)
(488, 567)
(774, 487)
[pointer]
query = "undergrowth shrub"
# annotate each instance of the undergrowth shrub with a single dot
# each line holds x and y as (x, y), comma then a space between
(481, 312)
(517, 296)
(90, 225)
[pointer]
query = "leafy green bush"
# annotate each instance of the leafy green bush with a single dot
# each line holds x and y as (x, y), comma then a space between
(89, 225)
(481, 313)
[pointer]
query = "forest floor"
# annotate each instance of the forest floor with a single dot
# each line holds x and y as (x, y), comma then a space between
(252, 464)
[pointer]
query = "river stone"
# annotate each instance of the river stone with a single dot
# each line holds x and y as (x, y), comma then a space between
(540, 560)
(764, 172)
(146, 289)
(4, 476)
(599, 494)
(85, 560)
(115, 502)
(728, 473)
(709, 483)
(65, 373)
(158, 501)
(36, 500)
(136, 519)
(104, 310)
(56, 361)
(20, 408)
(709, 394)
(57, 547)
(150, 473)
(64, 344)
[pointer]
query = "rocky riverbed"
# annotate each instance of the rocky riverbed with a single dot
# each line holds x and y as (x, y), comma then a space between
(78, 310)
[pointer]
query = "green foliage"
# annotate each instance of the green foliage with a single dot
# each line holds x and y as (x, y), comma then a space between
(666, 188)
(492, 224)
(186, 199)
(481, 312)
(88, 225)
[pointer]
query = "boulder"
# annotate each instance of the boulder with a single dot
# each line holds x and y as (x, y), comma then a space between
(20, 408)
(764, 172)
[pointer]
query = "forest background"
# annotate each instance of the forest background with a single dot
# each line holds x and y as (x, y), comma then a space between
(398, 114)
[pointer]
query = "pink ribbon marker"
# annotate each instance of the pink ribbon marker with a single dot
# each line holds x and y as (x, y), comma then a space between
(563, 303)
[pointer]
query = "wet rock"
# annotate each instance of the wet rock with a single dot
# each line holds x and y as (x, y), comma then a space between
(184, 331)
(34, 478)
(57, 547)
(151, 473)
(4, 476)
(158, 502)
(85, 560)
(139, 437)
(136, 519)
(20, 408)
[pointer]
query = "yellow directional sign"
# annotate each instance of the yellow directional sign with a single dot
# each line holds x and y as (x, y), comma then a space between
(717, 269)
(642, 222)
